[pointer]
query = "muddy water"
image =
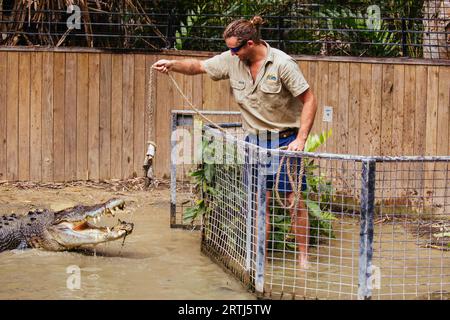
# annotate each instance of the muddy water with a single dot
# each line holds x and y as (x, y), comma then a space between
(155, 262)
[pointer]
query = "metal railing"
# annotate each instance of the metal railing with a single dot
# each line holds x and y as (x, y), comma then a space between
(388, 29)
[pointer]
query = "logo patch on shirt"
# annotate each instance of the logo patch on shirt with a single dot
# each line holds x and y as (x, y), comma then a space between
(271, 77)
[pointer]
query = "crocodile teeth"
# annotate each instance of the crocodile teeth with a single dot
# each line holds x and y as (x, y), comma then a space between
(107, 229)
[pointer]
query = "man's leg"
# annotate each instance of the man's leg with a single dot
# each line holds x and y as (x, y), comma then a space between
(300, 229)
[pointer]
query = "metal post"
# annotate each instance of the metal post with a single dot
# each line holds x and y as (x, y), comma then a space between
(404, 46)
(366, 229)
(173, 173)
(170, 29)
(261, 225)
(280, 33)
(249, 172)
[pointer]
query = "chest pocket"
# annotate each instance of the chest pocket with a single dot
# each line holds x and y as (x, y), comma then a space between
(271, 87)
(238, 87)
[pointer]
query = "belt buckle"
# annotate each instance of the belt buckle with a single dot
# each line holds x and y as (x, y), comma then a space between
(286, 133)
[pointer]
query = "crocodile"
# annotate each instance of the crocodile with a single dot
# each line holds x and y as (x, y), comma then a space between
(62, 230)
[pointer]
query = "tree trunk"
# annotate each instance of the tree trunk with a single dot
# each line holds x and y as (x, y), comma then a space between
(437, 27)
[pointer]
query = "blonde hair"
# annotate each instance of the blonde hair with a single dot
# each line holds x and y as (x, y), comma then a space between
(245, 30)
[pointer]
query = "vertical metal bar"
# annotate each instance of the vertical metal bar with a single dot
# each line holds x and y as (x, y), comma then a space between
(280, 33)
(366, 229)
(261, 225)
(173, 172)
(250, 205)
(404, 46)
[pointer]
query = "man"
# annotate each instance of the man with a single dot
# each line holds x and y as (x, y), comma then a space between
(273, 95)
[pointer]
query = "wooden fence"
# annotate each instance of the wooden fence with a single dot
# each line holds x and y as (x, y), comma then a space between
(76, 115)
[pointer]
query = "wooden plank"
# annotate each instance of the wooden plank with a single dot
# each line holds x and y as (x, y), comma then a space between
(386, 110)
(178, 101)
(59, 72)
(47, 117)
(364, 115)
(165, 101)
(12, 117)
(24, 115)
(94, 118)
(420, 110)
(432, 109)
(409, 110)
(353, 113)
(105, 116)
(441, 174)
(322, 99)
(304, 67)
(397, 110)
(116, 120)
(375, 110)
(3, 115)
(70, 118)
(431, 134)
(343, 109)
(36, 117)
(139, 114)
(127, 124)
(197, 93)
(313, 85)
(420, 123)
(333, 101)
(443, 120)
(82, 170)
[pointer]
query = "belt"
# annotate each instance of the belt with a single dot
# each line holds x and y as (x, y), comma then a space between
(268, 135)
(288, 132)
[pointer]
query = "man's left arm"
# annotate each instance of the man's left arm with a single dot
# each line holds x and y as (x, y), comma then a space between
(306, 120)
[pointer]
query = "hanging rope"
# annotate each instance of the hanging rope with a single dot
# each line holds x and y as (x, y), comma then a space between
(151, 106)
(296, 184)
(192, 106)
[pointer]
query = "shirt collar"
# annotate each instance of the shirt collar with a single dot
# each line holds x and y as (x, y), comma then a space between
(270, 52)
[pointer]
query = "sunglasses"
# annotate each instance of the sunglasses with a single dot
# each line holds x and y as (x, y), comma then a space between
(236, 49)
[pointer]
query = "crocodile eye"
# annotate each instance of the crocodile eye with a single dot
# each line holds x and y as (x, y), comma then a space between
(32, 218)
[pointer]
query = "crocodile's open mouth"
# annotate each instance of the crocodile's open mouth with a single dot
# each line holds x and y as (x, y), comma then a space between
(76, 226)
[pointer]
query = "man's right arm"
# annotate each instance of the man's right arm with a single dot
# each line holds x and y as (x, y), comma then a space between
(185, 66)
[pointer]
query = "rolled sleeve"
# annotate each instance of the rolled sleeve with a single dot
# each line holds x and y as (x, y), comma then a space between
(218, 67)
(293, 79)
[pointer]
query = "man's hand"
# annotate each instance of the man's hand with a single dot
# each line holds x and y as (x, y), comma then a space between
(163, 65)
(297, 145)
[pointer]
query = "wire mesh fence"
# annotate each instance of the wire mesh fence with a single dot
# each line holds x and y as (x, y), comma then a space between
(353, 228)
(186, 155)
(358, 28)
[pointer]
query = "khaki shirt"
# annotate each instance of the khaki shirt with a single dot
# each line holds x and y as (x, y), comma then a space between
(270, 103)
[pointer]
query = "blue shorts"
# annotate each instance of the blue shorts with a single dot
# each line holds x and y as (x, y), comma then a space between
(272, 165)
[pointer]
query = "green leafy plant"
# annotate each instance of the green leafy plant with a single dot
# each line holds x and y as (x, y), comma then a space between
(203, 185)
(347, 33)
